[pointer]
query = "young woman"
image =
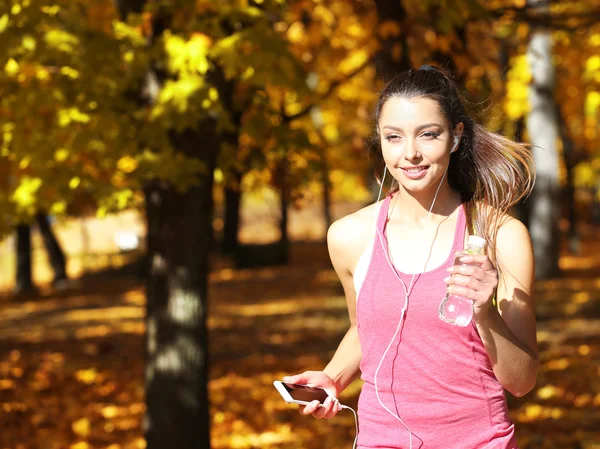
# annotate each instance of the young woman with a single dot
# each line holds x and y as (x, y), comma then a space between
(427, 383)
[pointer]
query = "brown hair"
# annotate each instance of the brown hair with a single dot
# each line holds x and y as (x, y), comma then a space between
(490, 172)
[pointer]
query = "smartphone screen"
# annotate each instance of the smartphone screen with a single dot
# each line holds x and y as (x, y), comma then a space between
(304, 393)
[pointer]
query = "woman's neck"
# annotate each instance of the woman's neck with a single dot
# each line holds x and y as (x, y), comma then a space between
(412, 208)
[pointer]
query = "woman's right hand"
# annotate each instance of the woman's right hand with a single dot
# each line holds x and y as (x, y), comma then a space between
(317, 379)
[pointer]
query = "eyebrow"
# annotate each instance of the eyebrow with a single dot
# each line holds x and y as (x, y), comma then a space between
(419, 128)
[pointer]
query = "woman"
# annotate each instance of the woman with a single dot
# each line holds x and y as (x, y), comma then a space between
(428, 383)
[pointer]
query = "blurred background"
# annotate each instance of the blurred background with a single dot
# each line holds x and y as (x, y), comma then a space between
(169, 169)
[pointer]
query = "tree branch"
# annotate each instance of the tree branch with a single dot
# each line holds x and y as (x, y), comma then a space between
(534, 15)
(332, 87)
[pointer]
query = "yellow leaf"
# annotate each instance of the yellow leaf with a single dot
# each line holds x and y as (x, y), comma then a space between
(74, 182)
(592, 102)
(50, 10)
(41, 73)
(584, 350)
(69, 72)
(4, 22)
(582, 400)
(11, 67)
(81, 427)
(583, 175)
(61, 40)
(24, 163)
(80, 445)
(127, 164)
(24, 195)
(58, 208)
(593, 64)
(295, 32)
(548, 391)
(61, 154)
(558, 364)
(533, 411)
(110, 411)
(29, 43)
(86, 376)
(218, 175)
(355, 60)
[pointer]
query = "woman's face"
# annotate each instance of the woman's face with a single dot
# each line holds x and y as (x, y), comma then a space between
(416, 141)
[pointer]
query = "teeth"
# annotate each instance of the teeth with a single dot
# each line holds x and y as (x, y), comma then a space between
(414, 170)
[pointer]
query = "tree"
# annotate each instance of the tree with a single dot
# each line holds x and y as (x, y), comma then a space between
(56, 256)
(543, 130)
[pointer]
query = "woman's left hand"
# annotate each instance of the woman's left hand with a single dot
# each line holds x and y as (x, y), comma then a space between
(476, 280)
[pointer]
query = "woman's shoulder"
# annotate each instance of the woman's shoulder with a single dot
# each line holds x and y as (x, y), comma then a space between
(506, 225)
(513, 242)
(348, 236)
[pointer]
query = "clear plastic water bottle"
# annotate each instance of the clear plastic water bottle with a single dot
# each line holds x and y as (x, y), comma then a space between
(456, 309)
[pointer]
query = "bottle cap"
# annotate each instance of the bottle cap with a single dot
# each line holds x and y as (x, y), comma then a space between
(476, 241)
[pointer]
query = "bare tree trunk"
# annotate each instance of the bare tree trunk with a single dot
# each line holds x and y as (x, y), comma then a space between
(326, 190)
(574, 239)
(542, 127)
(523, 208)
(284, 197)
(24, 282)
(233, 200)
(55, 252)
(180, 239)
(393, 57)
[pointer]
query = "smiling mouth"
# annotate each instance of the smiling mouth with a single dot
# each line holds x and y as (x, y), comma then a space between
(415, 169)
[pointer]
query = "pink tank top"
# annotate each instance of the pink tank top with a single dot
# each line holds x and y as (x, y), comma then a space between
(436, 377)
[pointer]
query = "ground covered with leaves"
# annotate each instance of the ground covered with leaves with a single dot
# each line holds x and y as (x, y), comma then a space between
(71, 363)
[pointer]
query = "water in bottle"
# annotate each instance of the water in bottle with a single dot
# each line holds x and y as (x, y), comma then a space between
(456, 309)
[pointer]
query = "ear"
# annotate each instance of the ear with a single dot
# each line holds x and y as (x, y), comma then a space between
(455, 144)
(458, 130)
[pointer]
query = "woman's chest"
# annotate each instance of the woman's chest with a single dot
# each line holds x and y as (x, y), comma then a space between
(422, 250)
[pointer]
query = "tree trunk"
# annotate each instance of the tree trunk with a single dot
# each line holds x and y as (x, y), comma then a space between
(522, 209)
(326, 190)
(542, 127)
(55, 252)
(284, 203)
(574, 238)
(233, 197)
(180, 238)
(179, 241)
(393, 57)
(24, 282)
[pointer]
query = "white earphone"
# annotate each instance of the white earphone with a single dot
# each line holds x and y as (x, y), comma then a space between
(407, 291)
(455, 147)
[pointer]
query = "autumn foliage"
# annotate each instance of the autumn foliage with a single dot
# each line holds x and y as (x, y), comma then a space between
(71, 365)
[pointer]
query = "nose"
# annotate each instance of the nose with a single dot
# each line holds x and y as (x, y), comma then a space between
(411, 150)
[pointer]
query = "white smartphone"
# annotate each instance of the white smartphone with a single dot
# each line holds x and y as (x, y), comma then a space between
(301, 394)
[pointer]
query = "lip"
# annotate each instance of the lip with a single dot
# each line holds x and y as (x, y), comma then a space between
(418, 175)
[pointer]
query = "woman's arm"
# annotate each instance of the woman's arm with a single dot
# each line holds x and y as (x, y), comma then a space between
(344, 365)
(508, 331)
(345, 248)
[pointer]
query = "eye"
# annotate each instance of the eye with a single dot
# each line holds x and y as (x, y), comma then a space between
(430, 135)
(392, 138)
